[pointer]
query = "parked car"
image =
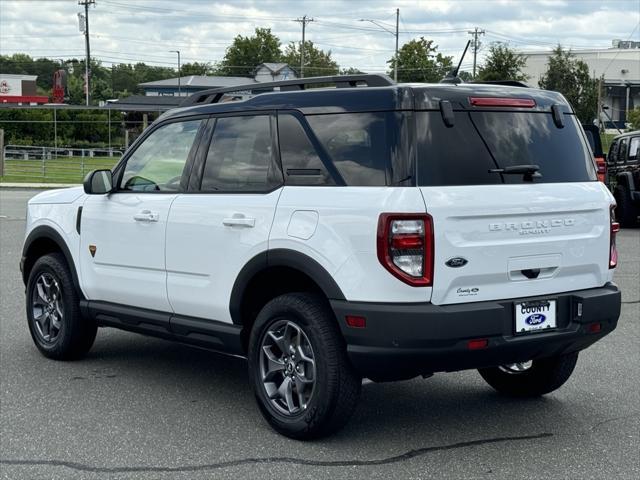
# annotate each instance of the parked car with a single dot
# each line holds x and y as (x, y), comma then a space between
(593, 137)
(624, 176)
(373, 230)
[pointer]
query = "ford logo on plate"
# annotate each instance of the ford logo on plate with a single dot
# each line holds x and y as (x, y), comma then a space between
(535, 319)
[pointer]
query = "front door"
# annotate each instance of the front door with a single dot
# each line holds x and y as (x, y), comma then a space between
(122, 247)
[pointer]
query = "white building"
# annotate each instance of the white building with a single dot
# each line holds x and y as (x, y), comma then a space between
(274, 72)
(620, 68)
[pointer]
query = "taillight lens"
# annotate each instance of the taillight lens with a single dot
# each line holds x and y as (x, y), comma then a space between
(615, 228)
(405, 247)
(601, 165)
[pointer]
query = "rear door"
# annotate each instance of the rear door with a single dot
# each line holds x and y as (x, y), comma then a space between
(224, 220)
(500, 236)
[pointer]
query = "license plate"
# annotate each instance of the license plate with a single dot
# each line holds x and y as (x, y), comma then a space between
(535, 316)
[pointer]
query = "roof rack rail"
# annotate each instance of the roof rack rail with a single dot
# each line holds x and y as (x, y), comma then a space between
(214, 95)
(510, 83)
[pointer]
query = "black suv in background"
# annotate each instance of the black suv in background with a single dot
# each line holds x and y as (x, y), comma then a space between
(624, 176)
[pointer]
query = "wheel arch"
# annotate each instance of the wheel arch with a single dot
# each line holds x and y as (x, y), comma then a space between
(41, 241)
(273, 273)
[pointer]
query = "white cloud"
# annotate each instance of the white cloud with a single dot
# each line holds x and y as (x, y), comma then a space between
(145, 30)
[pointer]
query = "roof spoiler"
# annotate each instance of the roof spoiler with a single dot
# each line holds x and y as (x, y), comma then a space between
(214, 95)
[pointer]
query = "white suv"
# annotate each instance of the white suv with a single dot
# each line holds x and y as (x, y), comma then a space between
(329, 234)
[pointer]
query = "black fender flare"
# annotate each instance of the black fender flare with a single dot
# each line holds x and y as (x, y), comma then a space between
(45, 231)
(281, 257)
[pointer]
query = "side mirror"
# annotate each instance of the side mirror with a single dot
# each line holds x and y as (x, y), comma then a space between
(98, 182)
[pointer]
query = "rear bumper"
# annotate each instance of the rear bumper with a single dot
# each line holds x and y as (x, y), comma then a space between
(404, 340)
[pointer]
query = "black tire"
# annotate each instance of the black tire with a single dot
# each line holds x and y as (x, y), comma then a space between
(626, 211)
(337, 386)
(75, 334)
(544, 376)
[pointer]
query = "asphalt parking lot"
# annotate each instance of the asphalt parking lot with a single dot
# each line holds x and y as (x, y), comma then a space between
(141, 408)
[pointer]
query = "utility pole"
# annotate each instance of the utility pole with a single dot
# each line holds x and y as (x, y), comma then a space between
(179, 88)
(395, 64)
(599, 110)
(87, 68)
(476, 46)
(304, 20)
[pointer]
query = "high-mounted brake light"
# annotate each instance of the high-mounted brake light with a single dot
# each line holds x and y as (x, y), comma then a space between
(405, 247)
(502, 102)
(615, 228)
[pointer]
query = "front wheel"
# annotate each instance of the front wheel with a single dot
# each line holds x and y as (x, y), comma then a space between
(303, 382)
(533, 378)
(53, 311)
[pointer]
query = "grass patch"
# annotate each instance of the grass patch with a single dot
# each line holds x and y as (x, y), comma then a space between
(56, 170)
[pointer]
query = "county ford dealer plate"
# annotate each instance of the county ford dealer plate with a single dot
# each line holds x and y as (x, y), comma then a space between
(535, 316)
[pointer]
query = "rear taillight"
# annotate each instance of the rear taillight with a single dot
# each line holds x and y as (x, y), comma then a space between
(405, 247)
(615, 228)
(601, 165)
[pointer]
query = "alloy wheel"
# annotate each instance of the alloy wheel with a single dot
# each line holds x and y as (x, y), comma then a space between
(47, 309)
(287, 367)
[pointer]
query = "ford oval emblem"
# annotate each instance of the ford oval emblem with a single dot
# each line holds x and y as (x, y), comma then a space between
(456, 262)
(535, 319)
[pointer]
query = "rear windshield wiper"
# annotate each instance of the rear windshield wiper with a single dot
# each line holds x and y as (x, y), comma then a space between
(529, 171)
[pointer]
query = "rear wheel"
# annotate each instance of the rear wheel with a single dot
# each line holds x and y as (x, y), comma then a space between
(533, 378)
(299, 371)
(53, 311)
(626, 211)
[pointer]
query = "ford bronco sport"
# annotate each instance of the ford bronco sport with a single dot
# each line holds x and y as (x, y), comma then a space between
(372, 230)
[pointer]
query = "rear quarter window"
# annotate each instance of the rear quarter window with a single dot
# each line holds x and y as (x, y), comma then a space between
(367, 149)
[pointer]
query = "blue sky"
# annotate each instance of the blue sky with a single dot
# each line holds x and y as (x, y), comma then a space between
(145, 30)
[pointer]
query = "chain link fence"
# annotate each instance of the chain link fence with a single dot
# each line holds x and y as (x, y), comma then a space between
(62, 145)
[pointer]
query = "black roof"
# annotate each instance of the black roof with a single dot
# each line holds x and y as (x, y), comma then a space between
(384, 95)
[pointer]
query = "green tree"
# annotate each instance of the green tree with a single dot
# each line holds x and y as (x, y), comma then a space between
(419, 61)
(634, 118)
(246, 53)
(351, 71)
(465, 76)
(196, 68)
(317, 62)
(570, 76)
(503, 63)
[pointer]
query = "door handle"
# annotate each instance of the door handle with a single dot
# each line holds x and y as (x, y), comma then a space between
(239, 220)
(146, 216)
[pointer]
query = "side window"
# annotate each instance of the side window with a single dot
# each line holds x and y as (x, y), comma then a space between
(360, 145)
(240, 157)
(613, 153)
(634, 149)
(300, 162)
(157, 164)
(622, 150)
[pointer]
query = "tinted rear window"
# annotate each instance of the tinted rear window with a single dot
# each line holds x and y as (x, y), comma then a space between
(480, 141)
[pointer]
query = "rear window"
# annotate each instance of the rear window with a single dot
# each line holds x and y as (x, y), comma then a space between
(480, 141)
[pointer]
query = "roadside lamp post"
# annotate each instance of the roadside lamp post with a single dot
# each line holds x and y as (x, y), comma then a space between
(395, 34)
(178, 52)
